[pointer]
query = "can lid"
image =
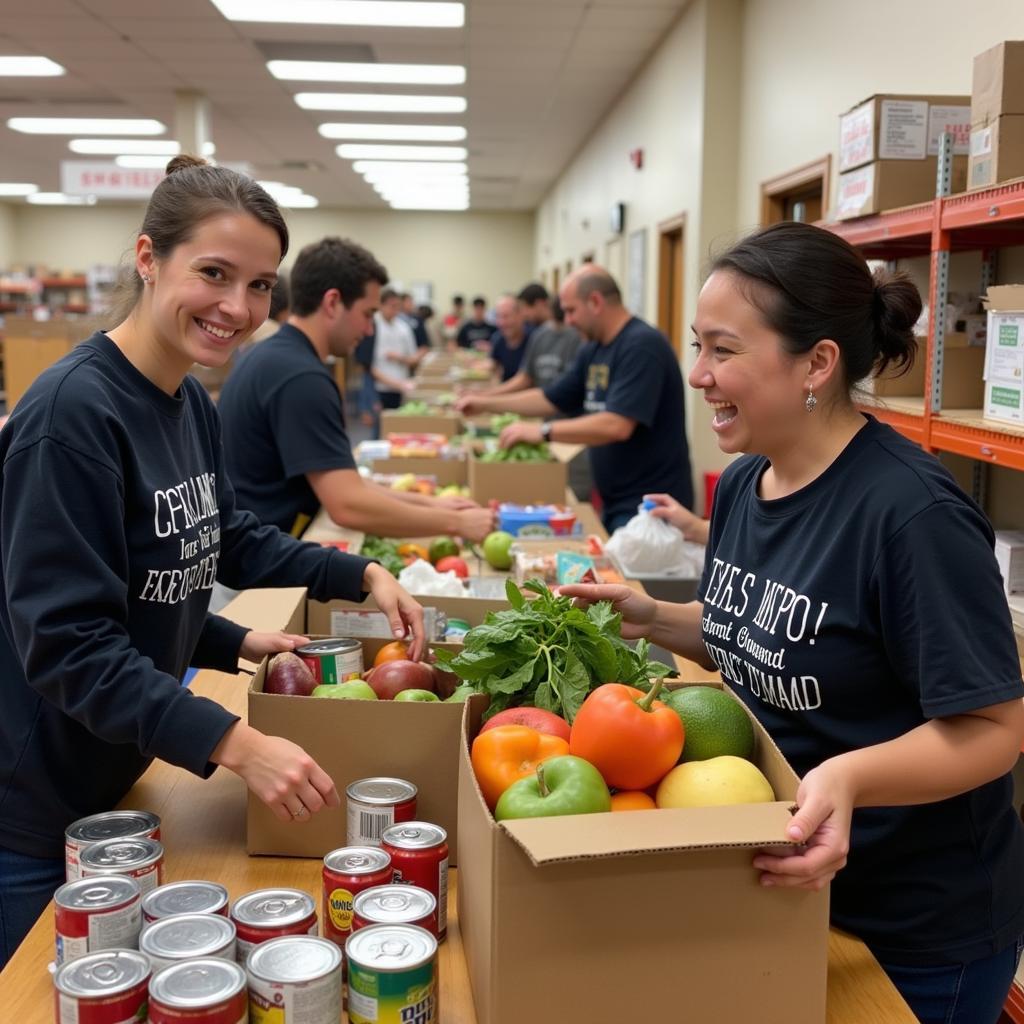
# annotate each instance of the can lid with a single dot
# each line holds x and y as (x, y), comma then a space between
(394, 904)
(357, 860)
(187, 935)
(121, 854)
(184, 898)
(390, 947)
(330, 645)
(414, 835)
(197, 983)
(97, 892)
(112, 825)
(381, 790)
(294, 958)
(106, 973)
(270, 908)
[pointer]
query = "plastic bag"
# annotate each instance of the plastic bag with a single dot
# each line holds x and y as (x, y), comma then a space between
(648, 546)
(421, 578)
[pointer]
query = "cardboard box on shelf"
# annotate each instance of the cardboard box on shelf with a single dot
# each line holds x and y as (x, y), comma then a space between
(997, 151)
(885, 127)
(525, 483)
(1010, 556)
(962, 378)
(447, 423)
(997, 86)
(890, 184)
(614, 893)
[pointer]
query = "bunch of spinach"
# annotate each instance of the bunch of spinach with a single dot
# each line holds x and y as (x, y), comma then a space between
(549, 654)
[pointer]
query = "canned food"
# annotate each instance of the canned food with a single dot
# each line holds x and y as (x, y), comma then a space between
(108, 825)
(185, 898)
(295, 980)
(207, 991)
(396, 904)
(102, 988)
(270, 914)
(143, 859)
(348, 872)
(392, 976)
(188, 937)
(374, 805)
(419, 856)
(96, 913)
(333, 660)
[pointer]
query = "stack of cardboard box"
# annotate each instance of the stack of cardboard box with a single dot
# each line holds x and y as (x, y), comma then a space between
(997, 116)
(1004, 354)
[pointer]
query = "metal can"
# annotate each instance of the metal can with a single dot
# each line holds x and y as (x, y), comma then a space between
(143, 859)
(188, 937)
(295, 980)
(348, 872)
(419, 856)
(392, 976)
(96, 913)
(333, 660)
(396, 904)
(376, 804)
(270, 914)
(185, 898)
(207, 991)
(102, 988)
(108, 825)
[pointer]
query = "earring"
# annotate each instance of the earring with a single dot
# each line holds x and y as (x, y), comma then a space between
(811, 401)
(146, 278)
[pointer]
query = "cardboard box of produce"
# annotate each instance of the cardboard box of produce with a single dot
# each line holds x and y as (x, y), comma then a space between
(962, 378)
(525, 483)
(341, 618)
(665, 899)
(1004, 354)
(997, 151)
(889, 184)
(393, 422)
(997, 87)
(445, 471)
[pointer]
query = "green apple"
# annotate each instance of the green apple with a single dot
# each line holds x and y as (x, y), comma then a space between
(418, 695)
(496, 549)
(354, 689)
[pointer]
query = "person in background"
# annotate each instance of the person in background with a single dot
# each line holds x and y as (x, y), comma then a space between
(426, 317)
(476, 332)
(410, 315)
(888, 675)
(368, 400)
(395, 352)
(285, 444)
(622, 396)
(454, 319)
(535, 304)
(278, 312)
(116, 515)
(508, 343)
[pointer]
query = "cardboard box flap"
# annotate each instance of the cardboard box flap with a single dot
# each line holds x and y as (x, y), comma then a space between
(586, 836)
(1008, 297)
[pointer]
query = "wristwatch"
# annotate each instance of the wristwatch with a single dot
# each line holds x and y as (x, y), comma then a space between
(545, 430)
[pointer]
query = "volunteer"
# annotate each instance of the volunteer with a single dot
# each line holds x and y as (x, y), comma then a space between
(115, 518)
(852, 601)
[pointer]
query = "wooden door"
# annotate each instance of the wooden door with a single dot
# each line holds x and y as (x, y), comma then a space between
(670, 281)
(798, 195)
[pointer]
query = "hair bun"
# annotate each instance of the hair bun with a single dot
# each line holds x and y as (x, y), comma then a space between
(897, 308)
(183, 161)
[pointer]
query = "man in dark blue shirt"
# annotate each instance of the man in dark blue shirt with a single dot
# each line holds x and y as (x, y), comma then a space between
(508, 343)
(476, 332)
(623, 396)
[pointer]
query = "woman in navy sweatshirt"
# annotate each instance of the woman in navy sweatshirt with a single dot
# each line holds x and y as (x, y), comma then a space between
(116, 518)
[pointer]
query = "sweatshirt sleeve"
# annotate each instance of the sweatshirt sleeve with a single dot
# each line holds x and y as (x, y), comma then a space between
(218, 644)
(60, 513)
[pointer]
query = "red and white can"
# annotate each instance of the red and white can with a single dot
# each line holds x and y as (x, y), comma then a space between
(184, 898)
(419, 856)
(375, 805)
(98, 913)
(348, 872)
(207, 991)
(108, 825)
(396, 904)
(295, 980)
(271, 914)
(142, 859)
(188, 937)
(110, 987)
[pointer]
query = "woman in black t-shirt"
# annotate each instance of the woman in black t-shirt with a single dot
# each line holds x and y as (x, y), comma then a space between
(852, 601)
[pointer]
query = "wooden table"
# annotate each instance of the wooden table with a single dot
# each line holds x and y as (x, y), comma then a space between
(204, 837)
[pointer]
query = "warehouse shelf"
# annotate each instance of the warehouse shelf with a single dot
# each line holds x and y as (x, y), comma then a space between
(905, 414)
(890, 235)
(78, 281)
(1014, 1008)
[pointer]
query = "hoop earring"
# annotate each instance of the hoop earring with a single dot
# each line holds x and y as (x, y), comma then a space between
(811, 401)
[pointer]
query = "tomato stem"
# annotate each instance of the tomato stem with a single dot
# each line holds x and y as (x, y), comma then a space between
(648, 698)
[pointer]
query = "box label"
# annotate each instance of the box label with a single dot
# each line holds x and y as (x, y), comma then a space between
(956, 121)
(981, 142)
(903, 130)
(1009, 397)
(1009, 334)
(857, 137)
(856, 189)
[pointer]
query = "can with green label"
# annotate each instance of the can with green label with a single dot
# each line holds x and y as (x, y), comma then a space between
(392, 975)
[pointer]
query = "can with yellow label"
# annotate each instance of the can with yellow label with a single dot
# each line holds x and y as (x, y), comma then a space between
(347, 872)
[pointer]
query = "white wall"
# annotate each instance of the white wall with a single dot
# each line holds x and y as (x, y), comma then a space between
(6, 235)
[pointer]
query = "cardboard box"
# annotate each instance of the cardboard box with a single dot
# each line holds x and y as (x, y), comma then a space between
(525, 483)
(997, 87)
(470, 609)
(447, 423)
(653, 915)
(445, 471)
(901, 128)
(963, 385)
(352, 740)
(997, 152)
(1010, 556)
(890, 184)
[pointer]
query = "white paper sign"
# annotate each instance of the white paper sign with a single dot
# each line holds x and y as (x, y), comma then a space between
(106, 180)
(857, 137)
(956, 121)
(903, 132)
(856, 189)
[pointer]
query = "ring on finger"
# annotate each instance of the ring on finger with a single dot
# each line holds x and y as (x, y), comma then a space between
(300, 812)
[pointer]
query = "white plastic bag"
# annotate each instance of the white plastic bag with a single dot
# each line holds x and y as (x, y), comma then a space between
(421, 578)
(649, 546)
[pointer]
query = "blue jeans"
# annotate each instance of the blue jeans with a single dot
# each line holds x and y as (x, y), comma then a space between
(971, 993)
(27, 884)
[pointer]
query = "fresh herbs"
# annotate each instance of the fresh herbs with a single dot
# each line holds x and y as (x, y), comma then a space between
(549, 654)
(383, 551)
(521, 451)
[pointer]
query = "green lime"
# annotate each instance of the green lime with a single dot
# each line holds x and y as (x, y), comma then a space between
(715, 723)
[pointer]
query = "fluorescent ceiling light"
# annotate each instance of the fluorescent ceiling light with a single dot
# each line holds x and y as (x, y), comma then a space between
(360, 151)
(30, 67)
(374, 102)
(132, 147)
(409, 194)
(379, 74)
(298, 202)
(17, 188)
(60, 199)
(389, 13)
(141, 163)
(407, 132)
(85, 126)
(405, 167)
(427, 204)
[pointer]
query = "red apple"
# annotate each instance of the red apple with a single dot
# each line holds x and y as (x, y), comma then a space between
(288, 674)
(394, 676)
(452, 563)
(535, 718)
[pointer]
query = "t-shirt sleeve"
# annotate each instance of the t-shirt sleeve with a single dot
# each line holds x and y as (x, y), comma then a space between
(568, 391)
(637, 382)
(944, 618)
(308, 426)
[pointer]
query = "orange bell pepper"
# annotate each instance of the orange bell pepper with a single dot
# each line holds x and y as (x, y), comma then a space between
(507, 753)
(628, 736)
(632, 800)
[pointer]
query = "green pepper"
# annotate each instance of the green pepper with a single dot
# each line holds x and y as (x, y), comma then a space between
(561, 785)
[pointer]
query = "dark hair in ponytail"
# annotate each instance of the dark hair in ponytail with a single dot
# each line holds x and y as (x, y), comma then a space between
(810, 284)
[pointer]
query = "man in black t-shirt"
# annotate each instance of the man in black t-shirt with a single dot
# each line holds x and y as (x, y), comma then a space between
(622, 396)
(476, 332)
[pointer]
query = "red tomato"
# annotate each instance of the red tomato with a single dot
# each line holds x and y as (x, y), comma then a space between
(536, 718)
(452, 563)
